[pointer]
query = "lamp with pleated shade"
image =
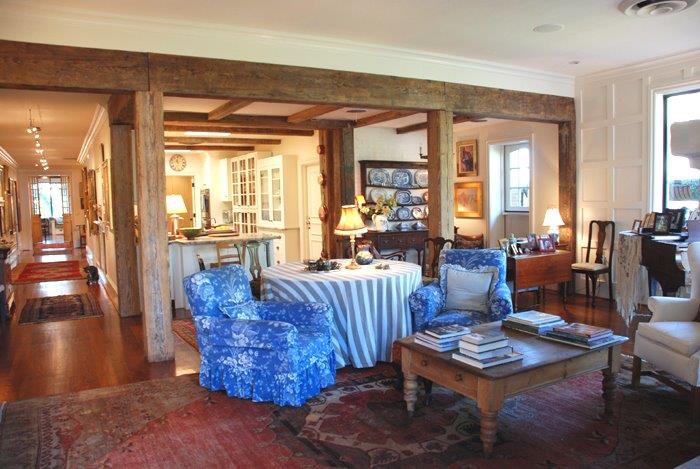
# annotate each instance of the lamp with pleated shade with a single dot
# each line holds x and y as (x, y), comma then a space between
(351, 224)
(552, 219)
(174, 206)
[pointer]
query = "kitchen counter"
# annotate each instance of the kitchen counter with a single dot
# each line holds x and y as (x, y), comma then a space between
(242, 238)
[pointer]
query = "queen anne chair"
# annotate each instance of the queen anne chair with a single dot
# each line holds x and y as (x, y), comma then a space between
(428, 303)
(264, 351)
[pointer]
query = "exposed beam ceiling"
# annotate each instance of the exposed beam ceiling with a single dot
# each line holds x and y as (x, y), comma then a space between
(221, 140)
(311, 112)
(228, 108)
(211, 147)
(382, 117)
(242, 130)
(200, 119)
(424, 125)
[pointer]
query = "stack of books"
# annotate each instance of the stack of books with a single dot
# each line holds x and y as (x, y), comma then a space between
(442, 338)
(485, 349)
(582, 335)
(533, 322)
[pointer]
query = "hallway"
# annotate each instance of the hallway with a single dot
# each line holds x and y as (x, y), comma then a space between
(64, 356)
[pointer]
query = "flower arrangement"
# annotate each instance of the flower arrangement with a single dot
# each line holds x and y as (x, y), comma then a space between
(383, 206)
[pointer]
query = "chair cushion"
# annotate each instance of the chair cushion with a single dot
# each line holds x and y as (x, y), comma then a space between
(467, 289)
(682, 337)
(592, 266)
(247, 310)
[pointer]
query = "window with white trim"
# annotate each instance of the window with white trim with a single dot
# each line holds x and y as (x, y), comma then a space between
(517, 177)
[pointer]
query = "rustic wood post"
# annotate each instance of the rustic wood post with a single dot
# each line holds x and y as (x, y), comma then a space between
(441, 174)
(567, 184)
(150, 164)
(122, 172)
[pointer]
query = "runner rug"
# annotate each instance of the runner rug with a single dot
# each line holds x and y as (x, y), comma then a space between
(34, 272)
(59, 308)
(184, 328)
(361, 421)
(51, 248)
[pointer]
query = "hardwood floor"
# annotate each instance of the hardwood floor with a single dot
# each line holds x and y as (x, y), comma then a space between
(64, 356)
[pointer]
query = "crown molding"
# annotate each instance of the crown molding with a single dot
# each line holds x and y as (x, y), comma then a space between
(32, 22)
(98, 119)
(646, 66)
(6, 158)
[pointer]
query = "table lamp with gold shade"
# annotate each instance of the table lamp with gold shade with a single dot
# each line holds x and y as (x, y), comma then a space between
(351, 225)
(174, 206)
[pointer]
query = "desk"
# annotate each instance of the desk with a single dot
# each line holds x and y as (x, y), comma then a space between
(370, 306)
(537, 270)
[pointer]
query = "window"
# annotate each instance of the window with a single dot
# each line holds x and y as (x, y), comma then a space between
(681, 182)
(517, 177)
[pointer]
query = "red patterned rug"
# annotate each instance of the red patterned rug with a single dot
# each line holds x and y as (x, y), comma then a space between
(34, 272)
(184, 328)
(359, 422)
(59, 308)
(51, 248)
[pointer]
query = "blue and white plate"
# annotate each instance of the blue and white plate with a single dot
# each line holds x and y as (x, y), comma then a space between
(417, 213)
(403, 197)
(417, 200)
(378, 177)
(421, 177)
(401, 178)
(403, 213)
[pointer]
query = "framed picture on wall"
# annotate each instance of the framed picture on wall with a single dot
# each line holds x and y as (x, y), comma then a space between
(467, 156)
(469, 199)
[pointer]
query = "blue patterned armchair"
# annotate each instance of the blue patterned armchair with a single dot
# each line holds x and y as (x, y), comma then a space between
(428, 303)
(264, 351)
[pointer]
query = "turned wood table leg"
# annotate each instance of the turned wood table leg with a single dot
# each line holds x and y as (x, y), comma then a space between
(410, 392)
(609, 388)
(636, 371)
(489, 427)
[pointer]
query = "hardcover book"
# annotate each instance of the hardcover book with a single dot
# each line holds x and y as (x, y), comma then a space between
(583, 330)
(533, 318)
(489, 362)
(443, 332)
(484, 337)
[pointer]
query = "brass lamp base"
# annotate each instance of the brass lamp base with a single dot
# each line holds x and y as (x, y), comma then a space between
(353, 264)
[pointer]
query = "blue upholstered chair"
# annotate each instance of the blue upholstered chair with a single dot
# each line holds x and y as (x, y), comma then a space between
(264, 351)
(428, 303)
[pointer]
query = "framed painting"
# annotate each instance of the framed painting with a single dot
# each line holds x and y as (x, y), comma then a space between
(469, 199)
(467, 156)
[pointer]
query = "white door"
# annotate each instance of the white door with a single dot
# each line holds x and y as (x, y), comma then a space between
(314, 238)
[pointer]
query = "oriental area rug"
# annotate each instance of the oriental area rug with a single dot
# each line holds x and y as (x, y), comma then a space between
(359, 422)
(59, 308)
(34, 272)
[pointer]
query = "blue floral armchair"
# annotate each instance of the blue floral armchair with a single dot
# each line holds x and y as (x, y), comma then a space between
(428, 303)
(264, 351)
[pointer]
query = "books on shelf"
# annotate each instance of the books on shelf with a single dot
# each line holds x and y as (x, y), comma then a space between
(442, 338)
(444, 332)
(488, 362)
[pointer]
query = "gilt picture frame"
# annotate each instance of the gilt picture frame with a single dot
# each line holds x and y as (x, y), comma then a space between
(469, 199)
(467, 158)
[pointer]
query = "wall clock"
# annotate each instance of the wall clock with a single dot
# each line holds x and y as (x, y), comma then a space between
(177, 162)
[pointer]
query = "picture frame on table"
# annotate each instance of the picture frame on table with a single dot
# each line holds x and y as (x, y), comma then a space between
(647, 223)
(545, 243)
(467, 158)
(503, 244)
(469, 199)
(514, 250)
(677, 218)
(662, 222)
(637, 226)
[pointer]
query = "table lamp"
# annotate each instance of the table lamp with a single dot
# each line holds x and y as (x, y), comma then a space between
(552, 219)
(174, 205)
(350, 224)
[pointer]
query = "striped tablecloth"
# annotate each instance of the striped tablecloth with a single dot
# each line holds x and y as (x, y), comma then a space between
(370, 305)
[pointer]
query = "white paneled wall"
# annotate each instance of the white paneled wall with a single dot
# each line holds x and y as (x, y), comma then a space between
(615, 137)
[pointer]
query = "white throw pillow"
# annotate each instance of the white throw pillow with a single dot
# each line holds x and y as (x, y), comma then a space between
(467, 289)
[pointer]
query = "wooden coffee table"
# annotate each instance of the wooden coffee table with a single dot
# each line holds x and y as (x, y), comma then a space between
(544, 363)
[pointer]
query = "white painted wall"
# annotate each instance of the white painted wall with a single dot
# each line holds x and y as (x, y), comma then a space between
(616, 141)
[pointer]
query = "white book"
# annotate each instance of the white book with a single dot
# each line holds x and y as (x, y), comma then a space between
(484, 355)
(438, 347)
(484, 347)
(429, 338)
(444, 332)
(483, 337)
(533, 318)
(489, 362)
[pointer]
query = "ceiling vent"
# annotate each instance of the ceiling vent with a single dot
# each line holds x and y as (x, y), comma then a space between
(652, 8)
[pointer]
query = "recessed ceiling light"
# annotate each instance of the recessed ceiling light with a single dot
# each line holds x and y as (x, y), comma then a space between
(647, 8)
(356, 111)
(548, 28)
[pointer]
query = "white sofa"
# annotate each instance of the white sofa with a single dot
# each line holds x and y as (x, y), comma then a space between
(671, 340)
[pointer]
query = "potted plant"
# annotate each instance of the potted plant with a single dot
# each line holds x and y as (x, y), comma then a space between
(380, 211)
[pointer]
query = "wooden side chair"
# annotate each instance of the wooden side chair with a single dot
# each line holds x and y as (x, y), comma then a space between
(600, 265)
(227, 253)
(430, 257)
(468, 241)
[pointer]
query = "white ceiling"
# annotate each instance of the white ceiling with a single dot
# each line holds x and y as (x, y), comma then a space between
(595, 32)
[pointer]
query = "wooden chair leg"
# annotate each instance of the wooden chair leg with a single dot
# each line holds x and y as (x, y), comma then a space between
(588, 293)
(594, 287)
(636, 371)
(695, 403)
(611, 299)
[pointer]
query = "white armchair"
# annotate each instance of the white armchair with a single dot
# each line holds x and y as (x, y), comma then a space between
(671, 340)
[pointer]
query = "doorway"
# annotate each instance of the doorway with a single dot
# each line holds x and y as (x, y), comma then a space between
(52, 220)
(184, 187)
(313, 238)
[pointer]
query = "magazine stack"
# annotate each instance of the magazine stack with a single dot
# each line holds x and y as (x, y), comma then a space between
(533, 322)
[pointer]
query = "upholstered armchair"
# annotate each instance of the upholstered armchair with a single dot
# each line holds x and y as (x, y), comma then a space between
(264, 351)
(428, 303)
(671, 340)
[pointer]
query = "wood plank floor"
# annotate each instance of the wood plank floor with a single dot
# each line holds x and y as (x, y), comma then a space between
(57, 357)
(64, 356)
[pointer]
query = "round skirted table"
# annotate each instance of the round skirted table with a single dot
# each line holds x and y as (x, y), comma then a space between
(370, 305)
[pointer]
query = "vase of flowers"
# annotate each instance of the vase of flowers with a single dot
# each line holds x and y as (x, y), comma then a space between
(379, 212)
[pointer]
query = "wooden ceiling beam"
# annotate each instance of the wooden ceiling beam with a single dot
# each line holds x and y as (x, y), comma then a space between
(424, 125)
(201, 119)
(228, 108)
(310, 113)
(221, 141)
(242, 130)
(382, 117)
(211, 147)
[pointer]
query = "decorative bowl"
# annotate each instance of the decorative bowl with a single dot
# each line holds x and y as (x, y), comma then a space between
(364, 258)
(190, 233)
